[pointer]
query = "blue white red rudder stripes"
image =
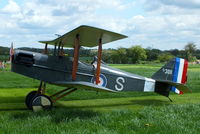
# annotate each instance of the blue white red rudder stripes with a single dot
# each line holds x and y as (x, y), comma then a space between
(179, 73)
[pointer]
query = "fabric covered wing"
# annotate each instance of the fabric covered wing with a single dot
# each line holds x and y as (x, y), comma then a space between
(89, 37)
(84, 85)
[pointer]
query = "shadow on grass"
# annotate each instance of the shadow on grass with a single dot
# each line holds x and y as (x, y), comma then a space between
(17, 103)
(13, 110)
(14, 103)
(145, 102)
(13, 99)
(150, 102)
(16, 106)
(57, 115)
(62, 113)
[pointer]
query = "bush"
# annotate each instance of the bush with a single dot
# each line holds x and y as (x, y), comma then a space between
(165, 57)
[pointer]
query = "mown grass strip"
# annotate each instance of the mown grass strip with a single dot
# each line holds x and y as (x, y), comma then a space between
(150, 119)
(12, 98)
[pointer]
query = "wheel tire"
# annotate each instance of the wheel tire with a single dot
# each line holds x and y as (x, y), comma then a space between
(41, 102)
(29, 97)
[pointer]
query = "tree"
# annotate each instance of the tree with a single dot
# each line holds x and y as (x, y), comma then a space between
(136, 54)
(174, 52)
(115, 57)
(190, 48)
(165, 57)
(197, 54)
(106, 56)
(122, 55)
(152, 54)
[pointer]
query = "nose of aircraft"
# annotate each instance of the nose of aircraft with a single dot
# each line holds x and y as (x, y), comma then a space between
(22, 57)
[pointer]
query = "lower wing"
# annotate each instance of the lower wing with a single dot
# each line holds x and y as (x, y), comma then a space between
(83, 85)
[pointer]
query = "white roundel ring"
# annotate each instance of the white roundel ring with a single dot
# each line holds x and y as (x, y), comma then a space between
(103, 80)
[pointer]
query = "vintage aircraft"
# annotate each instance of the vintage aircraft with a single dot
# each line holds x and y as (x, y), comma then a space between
(73, 74)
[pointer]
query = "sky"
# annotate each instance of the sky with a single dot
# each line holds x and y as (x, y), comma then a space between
(160, 24)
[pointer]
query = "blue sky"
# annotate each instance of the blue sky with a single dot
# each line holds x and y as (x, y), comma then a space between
(158, 24)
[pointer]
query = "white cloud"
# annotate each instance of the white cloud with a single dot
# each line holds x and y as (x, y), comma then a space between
(163, 24)
(167, 24)
(48, 17)
(12, 7)
(172, 6)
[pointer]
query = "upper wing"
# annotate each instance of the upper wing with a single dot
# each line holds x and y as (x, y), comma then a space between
(89, 37)
(83, 85)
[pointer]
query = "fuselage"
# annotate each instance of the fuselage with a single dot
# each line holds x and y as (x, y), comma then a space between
(54, 69)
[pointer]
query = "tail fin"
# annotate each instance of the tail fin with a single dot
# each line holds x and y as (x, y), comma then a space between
(174, 71)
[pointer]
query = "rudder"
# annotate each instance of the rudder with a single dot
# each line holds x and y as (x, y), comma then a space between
(175, 71)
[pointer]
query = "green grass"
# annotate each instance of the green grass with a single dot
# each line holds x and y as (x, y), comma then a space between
(150, 119)
(91, 112)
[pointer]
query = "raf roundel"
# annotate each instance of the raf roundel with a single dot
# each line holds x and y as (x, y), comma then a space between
(103, 80)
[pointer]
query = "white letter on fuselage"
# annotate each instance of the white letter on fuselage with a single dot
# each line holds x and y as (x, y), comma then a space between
(119, 86)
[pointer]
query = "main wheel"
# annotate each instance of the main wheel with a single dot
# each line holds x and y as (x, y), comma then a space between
(41, 102)
(29, 97)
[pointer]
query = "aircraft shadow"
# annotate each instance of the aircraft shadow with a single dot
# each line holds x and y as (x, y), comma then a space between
(58, 115)
(12, 104)
(13, 109)
(62, 113)
(146, 102)
(12, 99)
(151, 102)
(19, 111)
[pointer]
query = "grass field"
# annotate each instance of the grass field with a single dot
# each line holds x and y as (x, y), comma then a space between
(91, 112)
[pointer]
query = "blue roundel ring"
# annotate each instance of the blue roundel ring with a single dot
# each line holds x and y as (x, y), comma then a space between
(103, 80)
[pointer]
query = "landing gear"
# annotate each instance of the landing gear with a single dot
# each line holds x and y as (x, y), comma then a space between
(29, 98)
(41, 102)
(34, 94)
(37, 101)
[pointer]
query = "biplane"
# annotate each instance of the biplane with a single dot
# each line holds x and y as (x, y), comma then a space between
(73, 74)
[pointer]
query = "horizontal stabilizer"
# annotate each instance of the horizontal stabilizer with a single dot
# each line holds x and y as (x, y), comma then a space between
(83, 85)
(179, 86)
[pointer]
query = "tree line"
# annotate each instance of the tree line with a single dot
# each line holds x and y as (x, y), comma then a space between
(137, 54)
(132, 55)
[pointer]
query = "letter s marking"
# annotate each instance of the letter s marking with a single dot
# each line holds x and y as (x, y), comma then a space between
(119, 86)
